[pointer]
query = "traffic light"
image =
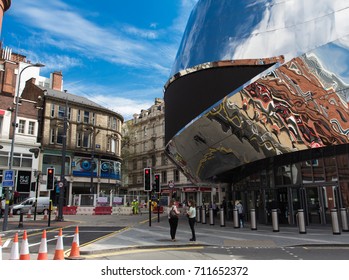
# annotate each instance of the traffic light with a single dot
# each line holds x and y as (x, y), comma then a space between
(147, 179)
(50, 178)
(157, 183)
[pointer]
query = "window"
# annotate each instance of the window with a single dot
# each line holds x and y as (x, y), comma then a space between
(21, 126)
(52, 136)
(52, 110)
(86, 117)
(61, 111)
(93, 118)
(134, 163)
(86, 140)
(164, 177)
(69, 113)
(176, 175)
(144, 162)
(60, 134)
(31, 128)
(79, 116)
(83, 140)
(164, 159)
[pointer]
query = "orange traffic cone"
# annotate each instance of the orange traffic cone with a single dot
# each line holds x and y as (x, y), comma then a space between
(59, 252)
(43, 247)
(29, 214)
(24, 253)
(14, 249)
(75, 250)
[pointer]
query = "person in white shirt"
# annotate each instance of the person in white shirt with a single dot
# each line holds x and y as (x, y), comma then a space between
(192, 218)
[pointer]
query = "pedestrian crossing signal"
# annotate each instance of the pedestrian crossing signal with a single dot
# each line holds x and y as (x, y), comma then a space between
(157, 183)
(147, 179)
(50, 178)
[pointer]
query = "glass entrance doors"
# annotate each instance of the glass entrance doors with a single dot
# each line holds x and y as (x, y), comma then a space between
(316, 201)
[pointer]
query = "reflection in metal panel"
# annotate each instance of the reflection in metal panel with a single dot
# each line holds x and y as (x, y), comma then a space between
(295, 105)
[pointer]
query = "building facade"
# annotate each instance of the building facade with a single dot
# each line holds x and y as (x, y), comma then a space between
(22, 133)
(264, 105)
(86, 134)
(144, 147)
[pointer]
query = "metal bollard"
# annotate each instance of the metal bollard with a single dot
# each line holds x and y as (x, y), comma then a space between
(335, 223)
(301, 221)
(20, 224)
(210, 213)
(275, 220)
(198, 215)
(344, 219)
(236, 218)
(253, 219)
(203, 214)
(221, 217)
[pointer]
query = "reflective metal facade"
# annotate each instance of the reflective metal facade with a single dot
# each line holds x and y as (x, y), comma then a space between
(257, 79)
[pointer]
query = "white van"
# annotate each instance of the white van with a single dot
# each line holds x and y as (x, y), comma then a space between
(42, 205)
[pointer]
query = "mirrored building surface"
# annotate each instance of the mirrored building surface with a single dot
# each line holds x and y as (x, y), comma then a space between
(258, 98)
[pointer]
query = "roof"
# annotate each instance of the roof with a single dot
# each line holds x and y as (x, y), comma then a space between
(76, 99)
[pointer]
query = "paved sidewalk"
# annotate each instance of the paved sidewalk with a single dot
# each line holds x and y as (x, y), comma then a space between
(138, 234)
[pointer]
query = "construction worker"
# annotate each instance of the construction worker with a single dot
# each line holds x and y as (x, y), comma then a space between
(136, 207)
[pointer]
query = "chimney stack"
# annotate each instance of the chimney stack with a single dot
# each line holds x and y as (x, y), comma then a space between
(57, 80)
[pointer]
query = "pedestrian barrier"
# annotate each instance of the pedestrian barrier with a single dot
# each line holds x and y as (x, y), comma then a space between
(344, 219)
(24, 253)
(42, 255)
(275, 220)
(236, 218)
(75, 248)
(69, 210)
(253, 219)
(335, 222)
(59, 252)
(15, 249)
(161, 210)
(221, 217)
(45, 215)
(85, 210)
(301, 221)
(211, 218)
(102, 210)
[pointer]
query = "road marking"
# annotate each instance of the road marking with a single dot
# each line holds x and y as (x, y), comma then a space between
(135, 251)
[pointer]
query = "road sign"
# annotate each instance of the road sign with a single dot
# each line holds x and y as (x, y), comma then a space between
(171, 184)
(7, 184)
(9, 175)
(8, 179)
(60, 184)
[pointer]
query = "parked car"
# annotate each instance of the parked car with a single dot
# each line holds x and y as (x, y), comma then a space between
(42, 205)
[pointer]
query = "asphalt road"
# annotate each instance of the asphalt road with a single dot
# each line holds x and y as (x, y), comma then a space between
(229, 253)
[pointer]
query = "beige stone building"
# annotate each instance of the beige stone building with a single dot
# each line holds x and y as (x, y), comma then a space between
(92, 149)
(143, 147)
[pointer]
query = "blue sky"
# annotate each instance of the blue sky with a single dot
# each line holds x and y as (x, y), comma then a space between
(116, 53)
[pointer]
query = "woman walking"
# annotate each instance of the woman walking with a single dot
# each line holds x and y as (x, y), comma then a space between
(192, 218)
(173, 219)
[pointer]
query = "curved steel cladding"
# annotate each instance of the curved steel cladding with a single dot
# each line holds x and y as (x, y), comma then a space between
(279, 84)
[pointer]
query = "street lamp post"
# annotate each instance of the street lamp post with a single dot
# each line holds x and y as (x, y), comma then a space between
(14, 125)
(64, 151)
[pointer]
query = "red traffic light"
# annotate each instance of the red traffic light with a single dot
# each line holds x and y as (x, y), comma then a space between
(50, 171)
(146, 171)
